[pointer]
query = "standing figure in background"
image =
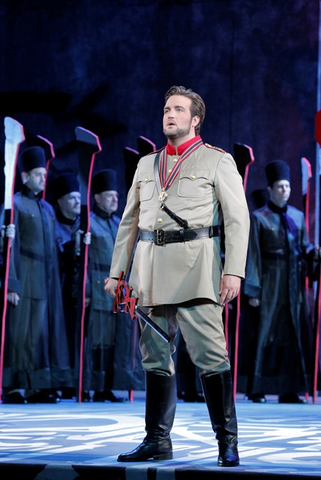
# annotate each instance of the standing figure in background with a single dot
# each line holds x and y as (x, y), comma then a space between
(101, 321)
(36, 351)
(67, 197)
(175, 205)
(275, 285)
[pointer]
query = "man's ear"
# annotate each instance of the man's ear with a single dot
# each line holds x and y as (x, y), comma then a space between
(195, 120)
(97, 198)
(24, 177)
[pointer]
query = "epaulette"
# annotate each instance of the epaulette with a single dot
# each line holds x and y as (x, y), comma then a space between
(215, 148)
(154, 151)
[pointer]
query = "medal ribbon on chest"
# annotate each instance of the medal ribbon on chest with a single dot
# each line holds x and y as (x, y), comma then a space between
(167, 182)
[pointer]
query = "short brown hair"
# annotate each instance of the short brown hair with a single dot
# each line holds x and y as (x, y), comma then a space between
(198, 105)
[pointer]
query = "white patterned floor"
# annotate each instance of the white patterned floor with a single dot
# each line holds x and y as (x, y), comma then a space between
(274, 440)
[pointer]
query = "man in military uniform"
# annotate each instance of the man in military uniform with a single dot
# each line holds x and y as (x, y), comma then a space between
(178, 198)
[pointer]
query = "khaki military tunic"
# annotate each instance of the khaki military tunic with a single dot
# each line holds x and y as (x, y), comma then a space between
(207, 188)
(180, 281)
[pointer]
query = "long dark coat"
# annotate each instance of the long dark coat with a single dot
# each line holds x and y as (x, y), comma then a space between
(69, 263)
(36, 352)
(275, 274)
(112, 358)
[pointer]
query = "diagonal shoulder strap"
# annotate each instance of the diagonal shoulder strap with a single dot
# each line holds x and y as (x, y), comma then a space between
(156, 172)
(181, 222)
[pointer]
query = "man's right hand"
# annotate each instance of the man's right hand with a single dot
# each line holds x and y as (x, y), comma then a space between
(13, 298)
(10, 230)
(110, 285)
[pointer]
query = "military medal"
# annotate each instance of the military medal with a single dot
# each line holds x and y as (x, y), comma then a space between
(163, 195)
(167, 181)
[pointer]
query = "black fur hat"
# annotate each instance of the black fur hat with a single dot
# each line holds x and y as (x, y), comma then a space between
(104, 180)
(277, 170)
(33, 157)
(65, 183)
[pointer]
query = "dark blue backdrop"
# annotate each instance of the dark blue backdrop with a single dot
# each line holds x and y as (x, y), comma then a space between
(105, 66)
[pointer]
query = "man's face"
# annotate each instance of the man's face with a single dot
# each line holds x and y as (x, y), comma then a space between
(35, 179)
(70, 205)
(280, 192)
(107, 201)
(177, 118)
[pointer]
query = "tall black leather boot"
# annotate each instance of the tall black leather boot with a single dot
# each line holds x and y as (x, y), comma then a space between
(160, 409)
(218, 391)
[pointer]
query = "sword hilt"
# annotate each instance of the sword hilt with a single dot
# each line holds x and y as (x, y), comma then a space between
(124, 301)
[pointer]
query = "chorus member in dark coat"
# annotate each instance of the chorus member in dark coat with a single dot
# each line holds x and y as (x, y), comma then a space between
(177, 272)
(275, 285)
(110, 347)
(66, 192)
(36, 355)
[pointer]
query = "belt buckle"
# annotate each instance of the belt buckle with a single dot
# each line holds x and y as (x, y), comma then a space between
(160, 238)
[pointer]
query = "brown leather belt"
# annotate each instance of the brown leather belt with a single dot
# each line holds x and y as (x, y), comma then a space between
(161, 237)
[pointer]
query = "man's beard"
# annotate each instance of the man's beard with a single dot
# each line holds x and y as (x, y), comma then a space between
(179, 133)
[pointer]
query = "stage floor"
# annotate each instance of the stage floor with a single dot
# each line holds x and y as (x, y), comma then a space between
(71, 440)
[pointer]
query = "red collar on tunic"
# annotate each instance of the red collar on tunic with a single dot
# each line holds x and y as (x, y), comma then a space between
(181, 148)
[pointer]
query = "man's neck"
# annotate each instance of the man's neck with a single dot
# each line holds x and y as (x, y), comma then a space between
(26, 188)
(176, 142)
(277, 208)
(279, 204)
(69, 216)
